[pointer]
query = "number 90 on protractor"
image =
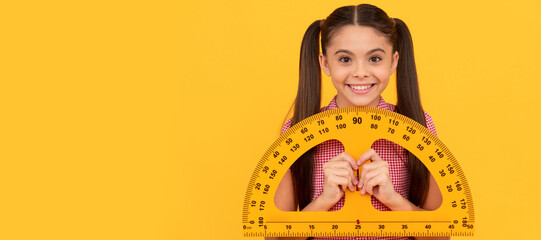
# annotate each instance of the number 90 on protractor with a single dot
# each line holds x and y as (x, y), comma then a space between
(357, 128)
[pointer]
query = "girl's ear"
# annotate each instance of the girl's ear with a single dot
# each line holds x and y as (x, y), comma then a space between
(324, 64)
(394, 62)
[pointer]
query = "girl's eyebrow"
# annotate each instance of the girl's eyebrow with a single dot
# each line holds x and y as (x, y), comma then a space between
(344, 51)
(375, 50)
(351, 53)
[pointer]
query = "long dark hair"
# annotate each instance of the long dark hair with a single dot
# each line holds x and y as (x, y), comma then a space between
(308, 100)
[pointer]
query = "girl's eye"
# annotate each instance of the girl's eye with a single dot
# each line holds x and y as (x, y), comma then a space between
(374, 59)
(345, 59)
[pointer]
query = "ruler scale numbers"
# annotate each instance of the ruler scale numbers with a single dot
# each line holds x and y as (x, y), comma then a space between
(357, 128)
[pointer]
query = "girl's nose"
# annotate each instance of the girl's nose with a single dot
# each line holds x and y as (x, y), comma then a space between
(360, 71)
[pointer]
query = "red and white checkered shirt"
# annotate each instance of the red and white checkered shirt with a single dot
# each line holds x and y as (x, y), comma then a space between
(393, 153)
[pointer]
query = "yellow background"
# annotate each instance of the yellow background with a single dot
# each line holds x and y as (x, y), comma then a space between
(145, 119)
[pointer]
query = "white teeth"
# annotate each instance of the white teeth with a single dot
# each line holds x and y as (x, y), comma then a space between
(361, 87)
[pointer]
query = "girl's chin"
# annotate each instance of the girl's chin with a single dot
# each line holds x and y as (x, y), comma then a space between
(356, 102)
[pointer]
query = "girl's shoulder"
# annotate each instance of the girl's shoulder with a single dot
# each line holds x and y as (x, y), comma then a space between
(286, 126)
(430, 124)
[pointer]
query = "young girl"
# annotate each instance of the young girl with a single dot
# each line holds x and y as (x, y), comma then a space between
(361, 48)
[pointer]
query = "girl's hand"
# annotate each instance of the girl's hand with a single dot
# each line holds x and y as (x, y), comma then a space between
(339, 176)
(375, 179)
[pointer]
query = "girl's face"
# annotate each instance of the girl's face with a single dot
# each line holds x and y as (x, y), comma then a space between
(360, 61)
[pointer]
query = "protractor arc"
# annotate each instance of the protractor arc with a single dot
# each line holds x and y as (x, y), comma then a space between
(357, 128)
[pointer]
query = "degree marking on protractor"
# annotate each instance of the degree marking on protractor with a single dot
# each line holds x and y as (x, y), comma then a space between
(262, 218)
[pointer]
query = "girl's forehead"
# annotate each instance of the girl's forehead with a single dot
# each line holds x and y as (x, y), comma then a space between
(360, 38)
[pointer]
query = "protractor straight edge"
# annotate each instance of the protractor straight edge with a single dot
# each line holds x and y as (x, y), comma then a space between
(357, 128)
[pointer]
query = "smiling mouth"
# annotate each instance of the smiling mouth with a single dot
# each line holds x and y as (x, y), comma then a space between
(361, 87)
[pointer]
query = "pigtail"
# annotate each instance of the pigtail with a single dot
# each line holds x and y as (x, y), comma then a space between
(307, 103)
(308, 99)
(409, 104)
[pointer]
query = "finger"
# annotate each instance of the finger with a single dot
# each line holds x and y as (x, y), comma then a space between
(373, 182)
(369, 175)
(350, 173)
(367, 186)
(342, 173)
(363, 179)
(341, 164)
(371, 166)
(347, 166)
(371, 179)
(346, 157)
(339, 182)
(369, 155)
(367, 167)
